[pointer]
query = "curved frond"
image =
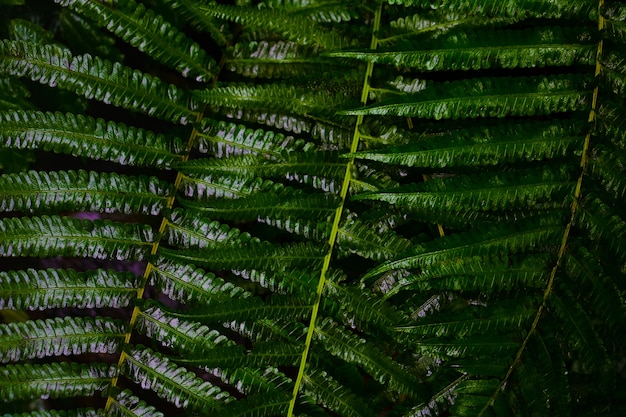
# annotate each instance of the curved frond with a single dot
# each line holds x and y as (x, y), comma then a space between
(519, 9)
(275, 98)
(362, 238)
(295, 28)
(96, 78)
(489, 192)
(480, 146)
(127, 405)
(87, 137)
(150, 33)
(171, 382)
(82, 191)
(53, 380)
(488, 97)
(334, 396)
(192, 12)
(353, 349)
(48, 236)
(527, 235)
(483, 49)
(59, 288)
(275, 59)
(60, 336)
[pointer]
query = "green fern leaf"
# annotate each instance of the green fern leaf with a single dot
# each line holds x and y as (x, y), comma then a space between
(127, 405)
(355, 350)
(519, 9)
(183, 335)
(274, 98)
(96, 79)
(150, 33)
(496, 242)
(491, 97)
(615, 18)
(87, 137)
(13, 94)
(185, 283)
(604, 224)
(258, 405)
(607, 166)
(295, 28)
(175, 384)
(191, 11)
(484, 49)
(227, 139)
(320, 170)
(275, 59)
(318, 10)
(490, 192)
(82, 191)
(252, 381)
(480, 146)
(61, 336)
(53, 380)
(613, 74)
(80, 412)
(277, 202)
(82, 35)
(53, 236)
(473, 320)
(334, 396)
(24, 30)
(491, 346)
(359, 237)
(473, 273)
(262, 256)
(59, 288)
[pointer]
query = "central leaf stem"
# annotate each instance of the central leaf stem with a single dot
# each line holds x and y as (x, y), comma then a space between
(338, 213)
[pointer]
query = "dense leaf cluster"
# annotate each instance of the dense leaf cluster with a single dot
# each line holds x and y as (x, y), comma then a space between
(312, 208)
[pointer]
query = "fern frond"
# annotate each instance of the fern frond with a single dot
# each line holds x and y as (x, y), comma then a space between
(186, 336)
(79, 412)
(584, 271)
(262, 256)
(472, 395)
(278, 202)
(191, 12)
(607, 165)
(473, 50)
(82, 36)
(488, 97)
(321, 170)
(490, 192)
(318, 10)
(228, 139)
(82, 191)
(59, 336)
(88, 137)
(274, 98)
(127, 405)
(274, 307)
(295, 28)
(474, 320)
(60, 288)
(150, 33)
(480, 146)
(48, 236)
(53, 380)
(519, 10)
(473, 273)
(252, 381)
(615, 18)
(351, 348)
(334, 396)
(24, 30)
(583, 338)
(173, 383)
(97, 79)
(13, 94)
(604, 224)
(491, 346)
(186, 283)
(526, 235)
(275, 59)
(613, 74)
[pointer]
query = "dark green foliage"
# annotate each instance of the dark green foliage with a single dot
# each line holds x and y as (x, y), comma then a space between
(312, 208)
